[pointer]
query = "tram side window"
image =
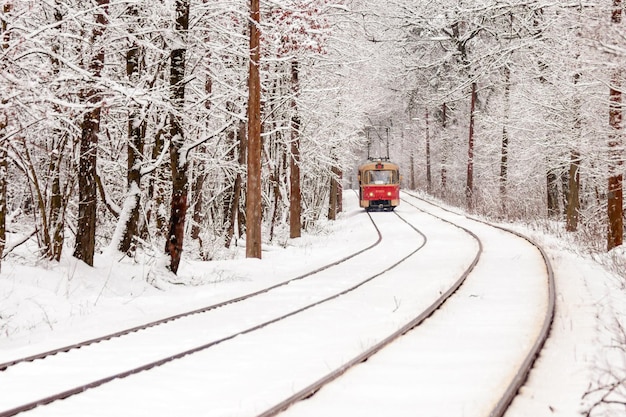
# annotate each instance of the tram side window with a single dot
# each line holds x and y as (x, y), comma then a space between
(381, 177)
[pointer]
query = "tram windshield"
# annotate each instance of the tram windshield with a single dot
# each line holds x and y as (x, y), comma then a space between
(381, 177)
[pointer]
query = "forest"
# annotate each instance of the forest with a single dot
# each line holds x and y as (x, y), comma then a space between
(192, 126)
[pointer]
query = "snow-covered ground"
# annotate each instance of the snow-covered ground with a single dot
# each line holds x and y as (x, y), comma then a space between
(44, 305)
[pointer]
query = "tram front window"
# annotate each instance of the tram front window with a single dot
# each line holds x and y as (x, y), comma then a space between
(381, 177)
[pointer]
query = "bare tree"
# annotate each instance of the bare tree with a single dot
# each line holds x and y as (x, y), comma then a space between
(178, 158)
(135, 146)
(4, 122)
(295, 200)
(469, 185)
(573, 188)
(504, 159)
(253, 186)
(334, 193)
(615, 193)
(86, 232)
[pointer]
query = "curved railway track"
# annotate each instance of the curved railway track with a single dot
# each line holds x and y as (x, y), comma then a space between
(145, 326)
(311, 389)
(8, 367)
(414, 311)
(533, 353)
(434, 354)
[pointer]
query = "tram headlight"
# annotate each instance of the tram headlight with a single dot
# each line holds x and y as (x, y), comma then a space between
(388, 193)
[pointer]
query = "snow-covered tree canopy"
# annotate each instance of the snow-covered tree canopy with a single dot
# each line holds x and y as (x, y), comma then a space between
(540, 71)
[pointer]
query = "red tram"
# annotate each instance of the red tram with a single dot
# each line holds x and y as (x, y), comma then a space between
(379, 185)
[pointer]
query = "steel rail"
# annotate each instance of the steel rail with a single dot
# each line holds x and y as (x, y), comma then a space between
(521, 375)
(79, 389)
(311, 389)
(5, 365)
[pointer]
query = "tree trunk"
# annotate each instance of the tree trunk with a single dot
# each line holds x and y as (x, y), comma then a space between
(4, 122)
(243, 158)
(504, 153)
(3, 185)
(235, 216)
(295, 199)
(87, 189)
(552, 184)
(58, 201)
(253, 186)
(339, 191)
(469, 188)
(198, 200)
(275, 180)
(573, 199)
(178, 160)
(229, 191)
(155, 192)
(3, 191)
(412, 168)
(573, 187)
(444, 151)
(615, 233)
(200, 168)
(57, 208)
(429, 179)
(134, 149)
(332, 201)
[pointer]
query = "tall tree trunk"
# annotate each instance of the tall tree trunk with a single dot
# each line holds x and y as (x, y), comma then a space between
(573, 195)
(295, 199)
(4, 122)
(504, 153)
(200, 169)
(339, 190)
(155, 192)
(615, 234)
(3, 188)
(243, 158)
(444, 151)
(253, 186)
(198, 200)
(412, 168)
(552, 185)
(178, 159)
(332, 199)
(429, 179)
(134, 149)
(58, 202)
(234, 206)
(57, 206)
(573, 187)
(276, 180)
(87, 189)
(3, 184)
(469, 187)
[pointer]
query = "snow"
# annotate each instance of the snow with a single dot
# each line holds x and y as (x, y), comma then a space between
(45, 305)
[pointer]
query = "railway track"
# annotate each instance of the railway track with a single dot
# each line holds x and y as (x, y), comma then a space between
(470, 358)
(84, 343)
(237, 358)
(546, 319)
(156, 333)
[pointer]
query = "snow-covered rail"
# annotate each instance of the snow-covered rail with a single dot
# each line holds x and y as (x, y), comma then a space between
(328, 338)
(68, 371)
(471, 357)
(144, 326)
(452, 282)
(543, 297)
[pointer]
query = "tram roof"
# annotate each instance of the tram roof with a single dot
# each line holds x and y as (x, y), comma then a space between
(378, 164)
